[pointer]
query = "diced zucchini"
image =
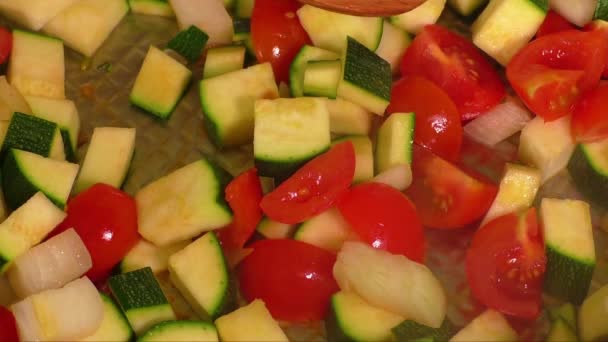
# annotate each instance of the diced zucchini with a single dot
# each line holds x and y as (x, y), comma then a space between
(114, 326)
(65, 115)
(398, 176)
(569, 246)
(393, 45)
(141, 299)
(183, 204)
(189, 43)
(108, 158)
(33, 134)
(592, 316)
(546, 146)
(33, 14)
(152, 7)
(86, 24)
(409, 330)
(601, 12)
(146, 254)
(244, 8)
(242, 29)
(222, 60)
(589, 170)
(579, 12)
(181, 331)
(11, 100)
(250, 323)
(209, 16)
(466, 7)
(328, 230)
(561, 332)
(160, 84)
(26, 227)
(489, 326)
(426, 14)
(366, 78)
(517, 190)
(47, 78)
(347, 118)
(298, 66)
(321, 78)
(394, 141)
(201, 274)
(353, 319)
(364, 154)
(228, 103)
(288, 133)
(271, 229)
(566, 312)
(506, 26)
(25, 173)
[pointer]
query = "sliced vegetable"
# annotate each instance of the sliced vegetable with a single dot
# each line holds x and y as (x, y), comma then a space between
(466, 7)
(591, 322)
(298, 66)
(189, 43)
(566, 312)
(588, 169)
(209, 16)
(244, 8)
(145, 254)
(152, 7)
(181, 330)
(33, 134)
(415, 20)
(7, 295)
(327, 230)
(33, 14)
(9, 326)
(489, 326)
(347, 118)
(409, 330)
(553, 23)
(579, 13)
(321, 78)
(6, 44)
(11, 100)
(399, 177)
(394, 141)
(587, 116)
(275, 230)
(393, 45)
(364, 156)
(561, 331)
(114, 326)
(251, 322)
(222, 60)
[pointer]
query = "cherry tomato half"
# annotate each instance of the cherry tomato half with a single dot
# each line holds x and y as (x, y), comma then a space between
(105, 218)
(294, 279)
(553, 23)
(589, 122)
(8, 326)
(6, 44)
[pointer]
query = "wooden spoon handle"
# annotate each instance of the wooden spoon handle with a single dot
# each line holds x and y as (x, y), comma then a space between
(369, 8)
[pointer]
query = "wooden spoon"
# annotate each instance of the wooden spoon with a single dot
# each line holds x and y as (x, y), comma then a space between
(368, 8)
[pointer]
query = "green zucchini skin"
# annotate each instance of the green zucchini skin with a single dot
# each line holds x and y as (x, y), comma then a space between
(189, 43)
(589, 181)
(410, 330)
(29, 133)
(557, 282)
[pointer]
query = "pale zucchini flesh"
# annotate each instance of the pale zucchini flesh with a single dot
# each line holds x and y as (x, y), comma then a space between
(152, 7)
(426, 14)
(33, 14)
(250, 323)
(394, 141)
(298, 66)
(364, 156)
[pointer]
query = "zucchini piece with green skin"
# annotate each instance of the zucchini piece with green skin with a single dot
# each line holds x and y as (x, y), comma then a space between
(26, 227)
(25, 173)
(489, 326)
(33, 14)
(225, 59)
(364, 155)
(184, 204)
(160, 84)
(394, 141)
(181, 331)
(327, 230)
(298, 66)
(108, 158)
(589, 170)
(329, 30)
(506, 26)
(228, 103)
(592, 316)
(601, 13)
(189, 43)
(321, 78)
(466, 7)
(145, 254)
(114, 326)
(271, 229)
(409, 330)
(561, 332)
(33, 134)
(65, 114)
(250, 323)
(289, 133)
(393, 45)
(244, 8)
(569, 247)
(141, 299)
(242, 29)
(353, 319)
(366, 78)
(426, 14)
(152, 7)
(201, 275)
(347, 118)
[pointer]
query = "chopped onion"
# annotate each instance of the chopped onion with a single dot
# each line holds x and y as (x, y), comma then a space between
(499, 123)
(50, 265)
(578, 12)
(25, 317)
(208, 15)
(398, 176)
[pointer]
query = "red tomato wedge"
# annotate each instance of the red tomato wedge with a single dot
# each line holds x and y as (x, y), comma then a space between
(277, 34)
(445, 196)
(458, 67)
(385, 219)
(589, 122)
(314, 188)
(553, 23)
(506, 263)
(438, 125)
(105, 218)
(244, 195)
(551, 72)
(602, 26)
(6, 44)
(294, 279)
(8, 326)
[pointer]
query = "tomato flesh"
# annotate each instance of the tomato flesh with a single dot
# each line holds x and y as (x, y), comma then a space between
(589, 122)
(294, 279)
(553, 23)
(6, 44)
(458, 67)
(505, 265)
(105, 218)
(314, 188)
(8, 326)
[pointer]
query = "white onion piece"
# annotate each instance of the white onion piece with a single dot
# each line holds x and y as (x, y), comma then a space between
(50, 265)
(398, 176)
(27, 324)
(208, 15)
(578, 12)
(499, 123)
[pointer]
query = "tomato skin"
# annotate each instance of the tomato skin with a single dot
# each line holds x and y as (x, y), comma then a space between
(550, 73)
(294, 279)
(602, 26)
(6, 44)
(553, 23)
(458, 67)
(105, 218)
(589, 117)
(277, 34)
(8, 326)
(385, 219)
(438, 125)
(314, 188)
(501, 251)
(243, 194)
(445, 196)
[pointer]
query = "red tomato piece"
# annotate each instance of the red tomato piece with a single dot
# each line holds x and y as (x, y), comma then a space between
(553, 23)
(8, 326)
(277, 34)
(551, 72)
(244, 195)
(314, 188)
(602, 26)
(589, 122)
(506, 263)
(458, 67)
(438, 125)
(105, 218)
(6, 44)
(385, 219)
(445, 196)
(294, 279)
